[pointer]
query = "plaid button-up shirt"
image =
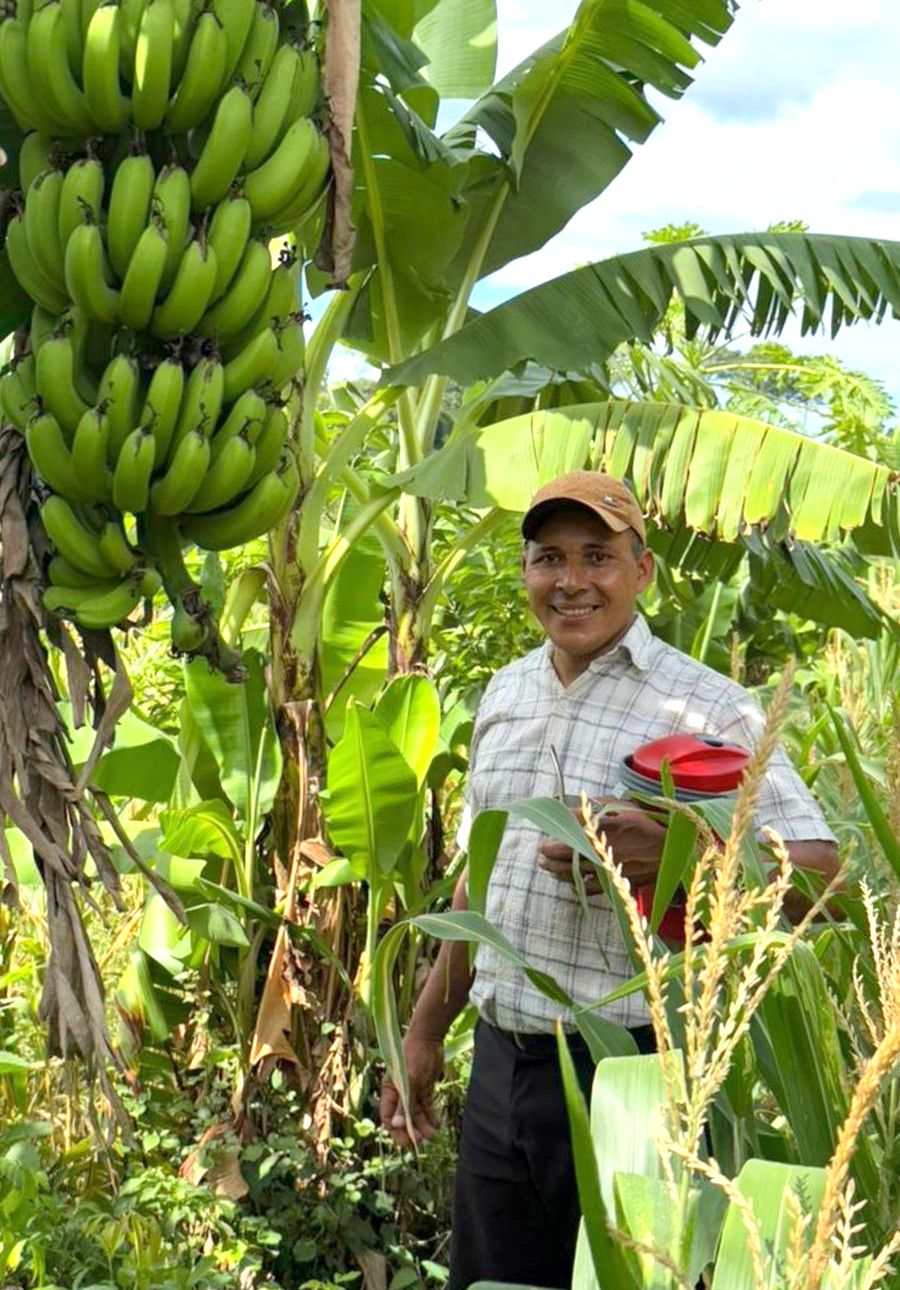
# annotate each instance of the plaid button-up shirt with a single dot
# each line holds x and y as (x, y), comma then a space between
(639, 691)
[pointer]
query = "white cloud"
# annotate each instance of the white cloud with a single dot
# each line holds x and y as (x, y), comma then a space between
(796, 114)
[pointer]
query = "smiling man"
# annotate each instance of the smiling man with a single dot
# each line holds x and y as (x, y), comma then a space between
(599, 687)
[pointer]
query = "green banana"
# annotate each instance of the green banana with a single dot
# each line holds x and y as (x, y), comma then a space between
(15, 81)
(51, 458)
(245, 295)
(273, 185)
(236, 17)
(282, 300)
(270, 444)
(88, 275)
(100, 74)
(65, 600)
(119, 393)
(79, 328)
(306, 89)
(153, 64)
(171, 204)
(54, 373)
(90, 450)
(133, 469)
(259, 48)
(247, 416)
(270, 111)
(110, 608)
(42, 225)
(113, 545)
(43, 325)
(86, 11)
(183, 307)
(291, 349)
(307, 195)
(202, 402)
(266, 504)
(163, 403)
(82, 193)
(65, 575)
(28, 274)
(204, 72)
(131, 12)
(71, 15)
(18, 392)
(149, 583)
(229, 231)
(51, 75)
(224, 150)
(73, 539)
(252, 365)
(186, 15)
(143, 277)
(129, 208)
(188, 633)
(225, 477)
(35, 155)
(174, 491)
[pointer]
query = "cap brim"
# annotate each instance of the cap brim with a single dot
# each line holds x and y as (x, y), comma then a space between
(533, 517)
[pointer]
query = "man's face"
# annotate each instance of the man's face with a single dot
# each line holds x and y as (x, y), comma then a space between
(582, 581)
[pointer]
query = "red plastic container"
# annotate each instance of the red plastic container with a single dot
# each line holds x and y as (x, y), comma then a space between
(700, 766)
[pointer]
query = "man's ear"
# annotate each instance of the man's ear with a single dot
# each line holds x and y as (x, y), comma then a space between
(646, 568)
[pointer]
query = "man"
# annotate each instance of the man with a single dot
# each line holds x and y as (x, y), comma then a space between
(598, 688)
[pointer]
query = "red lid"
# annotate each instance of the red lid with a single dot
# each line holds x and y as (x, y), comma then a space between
(698, 762)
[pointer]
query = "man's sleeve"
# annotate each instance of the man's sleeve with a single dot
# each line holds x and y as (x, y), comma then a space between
(471, 806)
(785, 803)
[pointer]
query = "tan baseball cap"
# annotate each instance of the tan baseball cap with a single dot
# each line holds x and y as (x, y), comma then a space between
(607, 497)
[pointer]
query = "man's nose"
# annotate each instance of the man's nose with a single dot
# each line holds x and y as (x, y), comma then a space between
(571, 576)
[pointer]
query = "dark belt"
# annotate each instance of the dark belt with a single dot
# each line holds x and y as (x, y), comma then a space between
(538, 1043)
(543, 1044)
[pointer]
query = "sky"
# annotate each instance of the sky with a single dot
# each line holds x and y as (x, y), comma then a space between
(794, 115)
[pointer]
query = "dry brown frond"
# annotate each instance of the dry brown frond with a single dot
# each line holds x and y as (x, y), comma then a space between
(864, 1097)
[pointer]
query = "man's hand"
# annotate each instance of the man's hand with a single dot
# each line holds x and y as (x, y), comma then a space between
(636, 840)
(424, 1063)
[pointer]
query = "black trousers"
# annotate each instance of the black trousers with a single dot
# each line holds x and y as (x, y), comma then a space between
(516, 1211)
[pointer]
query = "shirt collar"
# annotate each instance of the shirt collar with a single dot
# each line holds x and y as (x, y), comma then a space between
(637, 643)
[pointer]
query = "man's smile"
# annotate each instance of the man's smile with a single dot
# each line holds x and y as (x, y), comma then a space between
(574, 611)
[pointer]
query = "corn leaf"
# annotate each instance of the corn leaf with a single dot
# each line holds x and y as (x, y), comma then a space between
(766, 1184)
(614, 1266)
(881, 826)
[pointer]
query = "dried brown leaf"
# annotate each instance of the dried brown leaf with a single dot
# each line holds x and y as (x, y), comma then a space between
(340, 82)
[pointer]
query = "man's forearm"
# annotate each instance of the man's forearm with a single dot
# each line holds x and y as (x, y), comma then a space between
(446, 990)
(817, 856)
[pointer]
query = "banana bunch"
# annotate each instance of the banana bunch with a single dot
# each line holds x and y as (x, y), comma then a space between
(168, 141)
(139, 260)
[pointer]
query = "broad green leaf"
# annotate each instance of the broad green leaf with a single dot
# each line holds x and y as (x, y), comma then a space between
(460, 39)
(410, 711)
(351, 613)
(143, 762)
(614, 1266)
(136, 998)
(371, 795)
(236, 724)
(337, 873)
(767, 1185)
(503, 464)
(580, 317)
(217, 924)
(206, 829)
(162, 937)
